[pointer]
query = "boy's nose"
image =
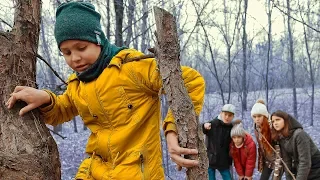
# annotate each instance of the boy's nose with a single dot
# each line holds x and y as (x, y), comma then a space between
(75, 57)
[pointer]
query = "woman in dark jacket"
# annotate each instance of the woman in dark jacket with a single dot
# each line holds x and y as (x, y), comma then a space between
(298, 150)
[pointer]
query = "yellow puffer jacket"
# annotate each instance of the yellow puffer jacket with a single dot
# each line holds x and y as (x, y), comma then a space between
(122, 110)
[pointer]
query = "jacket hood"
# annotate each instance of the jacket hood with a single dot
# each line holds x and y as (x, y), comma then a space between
(248, 139)
(293, 123)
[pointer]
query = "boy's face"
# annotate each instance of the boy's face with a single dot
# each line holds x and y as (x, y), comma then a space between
(238, 140)
(80, 55)
(226, 116)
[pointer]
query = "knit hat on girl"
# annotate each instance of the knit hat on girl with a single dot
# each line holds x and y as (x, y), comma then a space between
(237, 130)
(259, 108)
(78, 21)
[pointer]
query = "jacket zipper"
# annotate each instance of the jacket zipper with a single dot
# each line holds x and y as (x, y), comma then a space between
(142, 165)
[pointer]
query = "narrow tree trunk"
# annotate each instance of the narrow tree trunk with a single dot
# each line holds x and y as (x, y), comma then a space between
(130, 17)
(189, 130)
(75, 124)
(144, 26)
(244, 53)
(291, 59)
(108, 20)
(118, 8)
(269, 56)
(310, 64)
(27, 150)
(214, 72)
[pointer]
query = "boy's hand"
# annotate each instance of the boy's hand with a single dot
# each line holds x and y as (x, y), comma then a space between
(240, 177)
(207, 126)
(176, 151)
(248, 178)
(33, 97)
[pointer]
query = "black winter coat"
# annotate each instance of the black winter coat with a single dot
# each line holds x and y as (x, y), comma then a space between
(218, 141)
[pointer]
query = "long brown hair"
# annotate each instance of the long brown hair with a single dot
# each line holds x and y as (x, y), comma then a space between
(266, 132)
(285, 130)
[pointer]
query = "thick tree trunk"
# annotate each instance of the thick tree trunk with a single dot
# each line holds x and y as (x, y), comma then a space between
(27, 150)
(189, 131)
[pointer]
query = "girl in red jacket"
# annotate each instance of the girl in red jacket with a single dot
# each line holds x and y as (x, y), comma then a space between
(243, 152)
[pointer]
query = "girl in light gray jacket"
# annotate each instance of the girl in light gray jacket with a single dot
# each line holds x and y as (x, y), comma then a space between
(298, 150)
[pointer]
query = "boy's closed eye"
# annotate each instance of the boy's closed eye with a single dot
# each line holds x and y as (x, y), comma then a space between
(82, 48)
(65, 52)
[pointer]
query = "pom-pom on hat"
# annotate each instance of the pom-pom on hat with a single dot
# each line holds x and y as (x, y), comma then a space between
(78, 21)
(259, 108)
(237, 130)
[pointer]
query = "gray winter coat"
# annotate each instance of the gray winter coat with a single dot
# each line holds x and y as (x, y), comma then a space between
(300, 153)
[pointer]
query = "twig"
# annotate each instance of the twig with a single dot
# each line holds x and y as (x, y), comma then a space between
(285, 165)
(54, 72)
(57, 133)
(6, 23)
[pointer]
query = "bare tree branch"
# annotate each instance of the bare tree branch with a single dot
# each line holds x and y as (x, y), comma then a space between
(54, 72)
(274, 4)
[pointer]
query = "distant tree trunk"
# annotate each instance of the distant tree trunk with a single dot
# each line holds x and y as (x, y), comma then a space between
(27, 150)
(244, 51)
(269, 56)
(309, 62)
(229, 39)
(108, 20)
(118, 7)
(292, 64)
(189, 130)
(46, 52)
(144, 25)
(213, 71)
(226, 37)
(51, 81)
(164, 111)
(75, 124)
(130, 16)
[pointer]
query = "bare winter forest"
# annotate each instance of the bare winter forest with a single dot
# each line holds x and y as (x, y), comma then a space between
(245, 50)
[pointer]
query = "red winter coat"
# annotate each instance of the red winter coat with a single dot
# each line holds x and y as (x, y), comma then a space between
(245, 157)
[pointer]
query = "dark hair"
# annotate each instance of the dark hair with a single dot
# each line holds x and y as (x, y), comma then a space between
(285, 131)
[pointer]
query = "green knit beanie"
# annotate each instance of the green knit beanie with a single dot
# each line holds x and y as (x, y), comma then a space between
(78, 21)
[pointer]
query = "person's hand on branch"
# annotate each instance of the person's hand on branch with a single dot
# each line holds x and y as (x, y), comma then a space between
(176, 151)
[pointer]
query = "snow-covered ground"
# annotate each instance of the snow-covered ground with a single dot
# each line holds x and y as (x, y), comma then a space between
(72, 149)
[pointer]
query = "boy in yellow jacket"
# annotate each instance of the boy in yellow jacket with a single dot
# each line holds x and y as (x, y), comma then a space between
(117, 101)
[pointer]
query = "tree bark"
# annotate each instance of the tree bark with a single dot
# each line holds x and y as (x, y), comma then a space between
(27, 150)
(189, 130)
